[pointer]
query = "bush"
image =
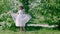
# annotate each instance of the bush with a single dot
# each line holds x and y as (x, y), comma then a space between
(42, 11)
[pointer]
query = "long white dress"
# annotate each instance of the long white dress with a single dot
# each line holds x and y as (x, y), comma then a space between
(21, 18)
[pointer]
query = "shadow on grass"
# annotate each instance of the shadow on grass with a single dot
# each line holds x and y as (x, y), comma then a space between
(32, 28)
(28, 28)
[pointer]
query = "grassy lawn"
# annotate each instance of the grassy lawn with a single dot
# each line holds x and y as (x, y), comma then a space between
(32, 31)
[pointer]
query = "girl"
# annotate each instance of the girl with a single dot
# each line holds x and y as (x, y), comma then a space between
(21, 18)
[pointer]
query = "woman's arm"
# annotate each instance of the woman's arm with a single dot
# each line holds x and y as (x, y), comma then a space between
(24, 11)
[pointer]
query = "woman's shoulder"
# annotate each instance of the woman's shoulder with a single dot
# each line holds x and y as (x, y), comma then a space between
(23, 9)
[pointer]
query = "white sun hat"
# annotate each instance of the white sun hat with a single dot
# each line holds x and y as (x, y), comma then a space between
(20, 4)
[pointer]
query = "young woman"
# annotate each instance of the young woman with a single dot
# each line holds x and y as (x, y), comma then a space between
(21, 18)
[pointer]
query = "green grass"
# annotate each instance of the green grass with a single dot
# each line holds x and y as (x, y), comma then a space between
(39, 31)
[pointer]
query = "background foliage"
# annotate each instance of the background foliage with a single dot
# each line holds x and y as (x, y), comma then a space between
(42, 11)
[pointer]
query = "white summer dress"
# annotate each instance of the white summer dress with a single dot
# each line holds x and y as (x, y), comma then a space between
(21, 18)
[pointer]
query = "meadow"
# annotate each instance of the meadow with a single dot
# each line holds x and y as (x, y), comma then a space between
(40, 31)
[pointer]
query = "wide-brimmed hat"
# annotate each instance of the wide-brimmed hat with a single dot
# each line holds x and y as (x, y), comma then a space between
(20, 4)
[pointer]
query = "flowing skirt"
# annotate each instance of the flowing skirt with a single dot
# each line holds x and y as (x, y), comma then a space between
(20, 20)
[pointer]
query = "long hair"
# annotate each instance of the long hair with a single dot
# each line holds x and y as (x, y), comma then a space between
(21, 7)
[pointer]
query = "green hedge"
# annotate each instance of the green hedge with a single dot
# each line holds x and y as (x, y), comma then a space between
(42, 11)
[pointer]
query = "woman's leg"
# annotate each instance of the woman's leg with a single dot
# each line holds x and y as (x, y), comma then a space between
(21, 28)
